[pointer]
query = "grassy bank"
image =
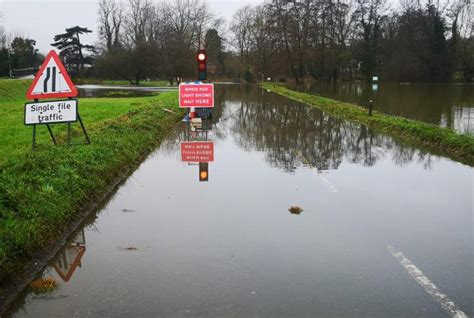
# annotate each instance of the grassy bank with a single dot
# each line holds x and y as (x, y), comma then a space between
(442, 141)
(42, 191)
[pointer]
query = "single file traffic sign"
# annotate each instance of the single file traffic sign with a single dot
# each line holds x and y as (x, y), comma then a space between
(51, 112)
(52, 80)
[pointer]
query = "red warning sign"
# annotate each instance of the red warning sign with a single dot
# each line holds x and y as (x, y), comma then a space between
(197, 151)
(196, 95)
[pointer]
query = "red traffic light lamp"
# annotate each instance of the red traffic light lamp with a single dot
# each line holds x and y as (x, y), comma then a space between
(202, 65)
(202, 56)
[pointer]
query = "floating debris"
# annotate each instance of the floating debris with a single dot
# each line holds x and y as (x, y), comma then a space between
(44, 285)
(131, 248)
(295, 210)
(127, 211)
(169, 111)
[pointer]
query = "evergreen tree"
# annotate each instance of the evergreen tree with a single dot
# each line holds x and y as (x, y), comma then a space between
(214, 47)
(24, 53)
(71, 48)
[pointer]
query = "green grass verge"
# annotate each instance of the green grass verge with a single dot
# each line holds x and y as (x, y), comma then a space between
(44, 190)
(440, 140)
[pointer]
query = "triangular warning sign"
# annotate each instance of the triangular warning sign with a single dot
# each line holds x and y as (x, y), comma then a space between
(52, 80)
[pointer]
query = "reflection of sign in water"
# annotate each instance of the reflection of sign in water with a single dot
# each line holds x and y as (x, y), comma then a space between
(196, 95)
(68, 261)
(197, 151)
(70, 258)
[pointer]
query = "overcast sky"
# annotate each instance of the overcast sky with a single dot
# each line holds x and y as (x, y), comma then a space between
(42, 19)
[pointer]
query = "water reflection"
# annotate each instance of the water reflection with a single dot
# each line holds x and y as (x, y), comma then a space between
(292, 134)
(69, 259)
(198, 150)
(447, 105)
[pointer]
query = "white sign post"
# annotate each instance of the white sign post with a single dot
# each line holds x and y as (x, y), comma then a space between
(52, 112)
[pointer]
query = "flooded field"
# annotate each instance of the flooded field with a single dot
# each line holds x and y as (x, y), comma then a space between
(446, 105)
(119, 91)
(377, 229)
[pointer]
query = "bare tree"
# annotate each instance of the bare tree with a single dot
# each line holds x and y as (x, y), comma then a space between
(241, 28)
(110, 23)
(138, 22)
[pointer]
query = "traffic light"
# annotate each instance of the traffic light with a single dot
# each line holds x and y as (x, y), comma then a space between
(202, 65)
(203, 171)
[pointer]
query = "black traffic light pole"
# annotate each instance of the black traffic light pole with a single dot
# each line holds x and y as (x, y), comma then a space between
(202, 76)
(202, 65)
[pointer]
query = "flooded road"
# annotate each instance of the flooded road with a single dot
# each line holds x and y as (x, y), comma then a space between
(446, 105)
(386, 230)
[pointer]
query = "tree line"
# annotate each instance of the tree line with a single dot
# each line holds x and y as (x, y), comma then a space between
(326, 40)
(145, 39)
(17, 53)
(356, 39)
(298, 40)
(19, 56)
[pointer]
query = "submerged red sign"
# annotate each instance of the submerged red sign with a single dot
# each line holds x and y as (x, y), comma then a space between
(197, 151)
(196, 95)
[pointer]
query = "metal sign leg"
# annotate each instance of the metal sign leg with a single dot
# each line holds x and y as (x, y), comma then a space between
(69, 134)
(34, 137)
(51, 134)
(84, 129)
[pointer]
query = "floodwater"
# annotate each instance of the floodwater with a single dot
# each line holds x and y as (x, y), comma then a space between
(119, 91)
(386, 230)
(446, 105)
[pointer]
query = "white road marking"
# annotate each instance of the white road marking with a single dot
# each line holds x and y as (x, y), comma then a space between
(441, 298)
(326, 181)
(319, 173)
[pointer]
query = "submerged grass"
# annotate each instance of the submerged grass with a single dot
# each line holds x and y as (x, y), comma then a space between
(440, 140)
(43, 286)
(42, 191)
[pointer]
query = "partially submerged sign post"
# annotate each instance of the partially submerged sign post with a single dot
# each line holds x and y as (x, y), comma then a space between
(52, 82)
(375, 88)
(375, 85)
(198, 98)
